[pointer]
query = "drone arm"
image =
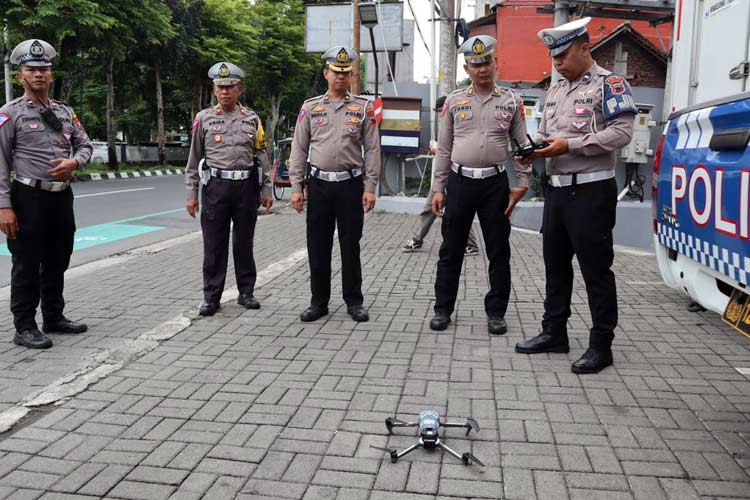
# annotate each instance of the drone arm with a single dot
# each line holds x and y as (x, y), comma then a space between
(408, 450)
(447, 448)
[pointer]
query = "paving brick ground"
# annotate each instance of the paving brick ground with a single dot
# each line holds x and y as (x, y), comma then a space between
(257, 405)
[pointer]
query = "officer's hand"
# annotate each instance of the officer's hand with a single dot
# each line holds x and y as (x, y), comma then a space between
(516, 195)
(556, 146)
(8, 223)
(298, 202)
(63, 168)
(192, 207)
(438, 202)
(368, 201)
(267, 202)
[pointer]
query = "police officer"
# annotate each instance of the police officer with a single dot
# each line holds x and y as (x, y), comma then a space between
(588, 116)
(337, 135)
(229, 137)
(471, 179)
(43, 141)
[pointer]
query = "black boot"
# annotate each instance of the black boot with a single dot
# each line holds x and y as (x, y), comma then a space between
(32, 338)
(496, 325)
(358, 313)
(440, 321)
(64, 325)
(312, 313)
(248, 301)
(208, 308)
(544, 342)
(592, 361)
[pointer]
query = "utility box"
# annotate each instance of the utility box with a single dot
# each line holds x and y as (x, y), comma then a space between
(639, 150)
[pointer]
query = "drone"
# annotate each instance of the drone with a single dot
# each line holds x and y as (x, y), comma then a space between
(429, 425)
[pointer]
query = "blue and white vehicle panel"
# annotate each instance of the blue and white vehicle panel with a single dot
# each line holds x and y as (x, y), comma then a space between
(703, 209)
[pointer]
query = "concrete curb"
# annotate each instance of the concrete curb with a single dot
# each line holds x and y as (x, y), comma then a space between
(128, 175)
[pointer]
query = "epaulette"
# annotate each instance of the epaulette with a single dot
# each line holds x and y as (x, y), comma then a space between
(314, 98)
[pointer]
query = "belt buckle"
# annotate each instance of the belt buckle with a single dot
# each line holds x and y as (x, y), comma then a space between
(555, 180)
(477, 173)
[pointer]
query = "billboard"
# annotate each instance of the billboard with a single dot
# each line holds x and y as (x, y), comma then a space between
(330, 25)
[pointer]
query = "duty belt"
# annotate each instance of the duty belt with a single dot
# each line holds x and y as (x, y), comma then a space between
(478, 173)
(570, 179)
(233, 175)
(44, 185)
(334, 176)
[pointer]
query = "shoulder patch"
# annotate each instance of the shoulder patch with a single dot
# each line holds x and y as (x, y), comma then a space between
(196, 124)
(4, 118)
(301, 115)
(77, 122)
(444, 109)
(617, 98)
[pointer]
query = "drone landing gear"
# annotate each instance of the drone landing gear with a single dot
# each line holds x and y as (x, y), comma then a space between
(466, 458)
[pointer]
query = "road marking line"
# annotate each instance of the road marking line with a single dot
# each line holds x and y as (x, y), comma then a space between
(268, 274)
(113, 192)
(101, 364)
(743, 371)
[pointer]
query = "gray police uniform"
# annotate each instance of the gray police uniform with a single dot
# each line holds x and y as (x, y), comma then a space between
(595, 114)
(42, 204)
(340, 141)
(470, 168)
(228, 142)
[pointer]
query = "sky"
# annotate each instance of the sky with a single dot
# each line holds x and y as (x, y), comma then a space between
(421, 56)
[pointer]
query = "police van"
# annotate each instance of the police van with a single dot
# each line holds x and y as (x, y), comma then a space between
(701, 188)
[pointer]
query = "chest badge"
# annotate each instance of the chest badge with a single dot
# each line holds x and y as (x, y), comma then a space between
(580, 110)
(503, 126)
(319, 121)
(33, 126)
(579, 125)
(505, 115)
(217, 138)
(353, 130)
(318, 109)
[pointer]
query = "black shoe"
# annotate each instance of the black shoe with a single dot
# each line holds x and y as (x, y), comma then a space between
(412, 246)
(312, 313)
(440, 321)
(32, 338)
(496, 325)
(208, 308)
(248, 301)
(64, 325)
(544, 342)
(358, 313)
(592, 361)
(695, 307)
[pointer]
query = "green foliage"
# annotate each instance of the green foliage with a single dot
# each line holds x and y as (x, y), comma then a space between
(185, 38)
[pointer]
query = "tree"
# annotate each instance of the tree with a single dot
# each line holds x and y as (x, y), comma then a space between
(282, 74)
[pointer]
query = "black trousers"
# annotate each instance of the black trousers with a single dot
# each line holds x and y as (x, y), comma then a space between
(487, 198)
(40, 253)
(578, 220)
(332, 204)
(228, 202)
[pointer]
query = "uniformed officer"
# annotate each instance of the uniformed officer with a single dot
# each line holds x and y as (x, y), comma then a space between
(588, 116)
(337, 135)
(229, 137)
(471, 179)
(43, 141)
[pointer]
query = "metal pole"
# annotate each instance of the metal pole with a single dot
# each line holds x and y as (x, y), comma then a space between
(375, 59)
(355, 42)
(8, 81)
(561, 17)
(433, 96)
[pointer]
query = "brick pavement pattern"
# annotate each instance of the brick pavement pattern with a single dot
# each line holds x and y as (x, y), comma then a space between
(254, 405)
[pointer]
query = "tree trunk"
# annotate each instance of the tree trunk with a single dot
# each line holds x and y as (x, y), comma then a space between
(447, 82)
(161, 138)
(197, 95)
(273, 119)
(111, 152)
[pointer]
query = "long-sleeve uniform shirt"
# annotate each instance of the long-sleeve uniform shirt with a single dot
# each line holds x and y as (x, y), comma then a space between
(595, 113)
(336, 137)
(475, 130)
(227, 140)
(28, 143)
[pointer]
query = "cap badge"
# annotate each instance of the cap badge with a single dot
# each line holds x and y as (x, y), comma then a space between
(478, 46)
(342, 57)
(548, 39)
(36, 49)
(223, 71)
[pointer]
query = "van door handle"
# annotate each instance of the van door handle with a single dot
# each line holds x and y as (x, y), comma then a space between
(733, 139)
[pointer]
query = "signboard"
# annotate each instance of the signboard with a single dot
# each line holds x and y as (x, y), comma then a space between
(401, 125)
(330, 25)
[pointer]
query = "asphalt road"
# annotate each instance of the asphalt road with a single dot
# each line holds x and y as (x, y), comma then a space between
(119, 215)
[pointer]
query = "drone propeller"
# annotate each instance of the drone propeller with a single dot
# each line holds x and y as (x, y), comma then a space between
(467, 458)
(392, 422)
(391, 451)
(471, 425)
